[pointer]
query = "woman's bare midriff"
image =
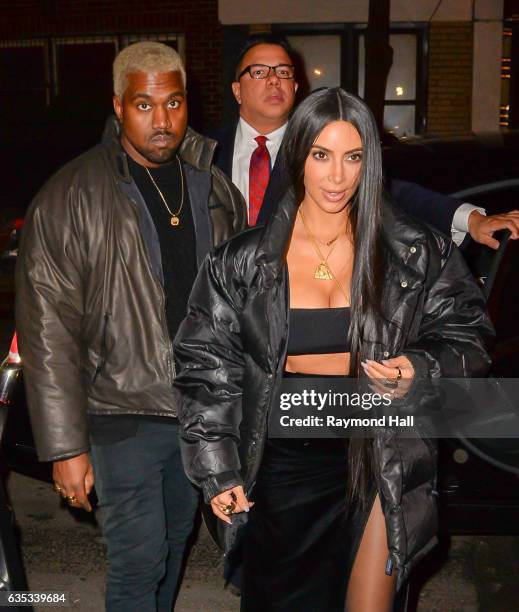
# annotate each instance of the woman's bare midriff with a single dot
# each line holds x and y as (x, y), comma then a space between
(329, 364)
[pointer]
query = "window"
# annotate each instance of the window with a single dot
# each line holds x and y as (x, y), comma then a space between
(322, 59)
(82, 71)
(400, 113)
(24, 79)
(509, 110)
(506, 65)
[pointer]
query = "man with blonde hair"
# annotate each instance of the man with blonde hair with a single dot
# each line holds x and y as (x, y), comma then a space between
(145, 57)
(110, 250)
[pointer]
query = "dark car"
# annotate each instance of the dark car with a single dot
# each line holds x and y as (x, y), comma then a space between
(478, 478)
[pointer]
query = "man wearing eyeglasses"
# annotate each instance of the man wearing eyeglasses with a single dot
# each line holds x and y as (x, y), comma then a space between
(265, 88)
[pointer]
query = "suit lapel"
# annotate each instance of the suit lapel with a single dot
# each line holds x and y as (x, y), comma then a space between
(276, 189)
(225, 148)
(278, 182)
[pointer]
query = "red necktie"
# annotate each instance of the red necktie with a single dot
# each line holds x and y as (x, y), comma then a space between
(259, 174)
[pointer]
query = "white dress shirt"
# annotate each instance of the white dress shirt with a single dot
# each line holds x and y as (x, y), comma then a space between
(244, 146)
(460, 221)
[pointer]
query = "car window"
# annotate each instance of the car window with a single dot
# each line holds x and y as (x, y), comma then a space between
(494, 200)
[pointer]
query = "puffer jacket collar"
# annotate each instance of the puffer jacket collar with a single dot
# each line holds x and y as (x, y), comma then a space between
(271, 253)
(195, 150)
(275, 238)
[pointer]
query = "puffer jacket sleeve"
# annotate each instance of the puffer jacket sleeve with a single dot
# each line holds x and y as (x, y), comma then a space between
(208, 351)
(49, 310)
(455, 330)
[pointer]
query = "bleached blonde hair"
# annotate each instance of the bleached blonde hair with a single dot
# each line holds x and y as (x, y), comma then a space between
(145, 57)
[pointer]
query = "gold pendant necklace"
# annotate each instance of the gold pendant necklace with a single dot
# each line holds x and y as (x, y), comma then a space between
(322, 272)
(175, 216)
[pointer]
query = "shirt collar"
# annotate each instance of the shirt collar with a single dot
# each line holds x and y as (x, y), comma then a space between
(248, 133)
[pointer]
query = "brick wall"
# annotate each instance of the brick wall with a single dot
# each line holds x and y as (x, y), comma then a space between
(196, 19)
(450, 78)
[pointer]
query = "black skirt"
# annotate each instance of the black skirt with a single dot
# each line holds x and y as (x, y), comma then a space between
(295, 549)
(302, 537)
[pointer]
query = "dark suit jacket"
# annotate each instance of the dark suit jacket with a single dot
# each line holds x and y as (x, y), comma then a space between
(434, 208)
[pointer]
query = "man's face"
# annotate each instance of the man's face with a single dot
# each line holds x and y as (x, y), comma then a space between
(153, 116)
(265, 103)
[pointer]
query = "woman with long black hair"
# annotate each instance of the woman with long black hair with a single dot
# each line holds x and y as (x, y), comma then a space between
(338, 283)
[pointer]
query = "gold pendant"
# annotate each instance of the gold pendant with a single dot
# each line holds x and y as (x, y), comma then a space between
(322, 272)
(175, 221)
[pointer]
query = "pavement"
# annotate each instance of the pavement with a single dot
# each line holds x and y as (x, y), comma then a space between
(63, 550)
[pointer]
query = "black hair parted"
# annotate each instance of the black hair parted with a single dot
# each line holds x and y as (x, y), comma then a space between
(313, 114)
(318, 110)
(262, 39)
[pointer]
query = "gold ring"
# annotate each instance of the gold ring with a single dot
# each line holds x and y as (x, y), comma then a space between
(71, 499)
(399, 375)
(57, 488)
(229, 509)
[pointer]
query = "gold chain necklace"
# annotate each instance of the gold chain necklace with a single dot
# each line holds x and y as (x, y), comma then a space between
(328, 243)
(175, 216)
(323, 270)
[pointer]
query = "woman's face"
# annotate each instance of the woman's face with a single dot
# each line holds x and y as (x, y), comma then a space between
(332, 168)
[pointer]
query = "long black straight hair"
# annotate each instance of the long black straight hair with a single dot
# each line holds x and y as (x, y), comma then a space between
(309, 119)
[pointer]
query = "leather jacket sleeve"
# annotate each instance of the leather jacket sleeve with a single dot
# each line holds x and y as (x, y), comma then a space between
(226, 192)
(209, 353)
(455, 329)
(49, 306)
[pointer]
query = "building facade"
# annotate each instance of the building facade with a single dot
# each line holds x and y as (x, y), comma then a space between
(447, 75)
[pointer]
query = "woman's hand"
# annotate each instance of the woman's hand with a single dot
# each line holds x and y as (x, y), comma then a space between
(390, 375)
(230, 502)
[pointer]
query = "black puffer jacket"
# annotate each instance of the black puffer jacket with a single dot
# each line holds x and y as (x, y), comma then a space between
(232, 351)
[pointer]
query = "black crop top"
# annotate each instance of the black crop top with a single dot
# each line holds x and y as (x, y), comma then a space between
(314, 331)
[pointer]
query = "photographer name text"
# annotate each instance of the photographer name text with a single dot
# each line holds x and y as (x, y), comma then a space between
(346, 423)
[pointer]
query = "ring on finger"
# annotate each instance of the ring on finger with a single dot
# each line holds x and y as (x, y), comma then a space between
(57, 488)
(229, 509)
(71, 499)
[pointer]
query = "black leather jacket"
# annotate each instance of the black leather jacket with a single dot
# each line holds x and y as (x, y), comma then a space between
(89, 295)
(232, 348)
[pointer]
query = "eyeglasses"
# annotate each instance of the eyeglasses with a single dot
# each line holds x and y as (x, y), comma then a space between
(262, 71)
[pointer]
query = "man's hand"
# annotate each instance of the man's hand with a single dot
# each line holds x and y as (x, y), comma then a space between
(482, 228)
(233, 499)
(74, 479)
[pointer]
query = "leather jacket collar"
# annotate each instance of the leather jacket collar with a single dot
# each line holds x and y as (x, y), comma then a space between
(195, 150)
